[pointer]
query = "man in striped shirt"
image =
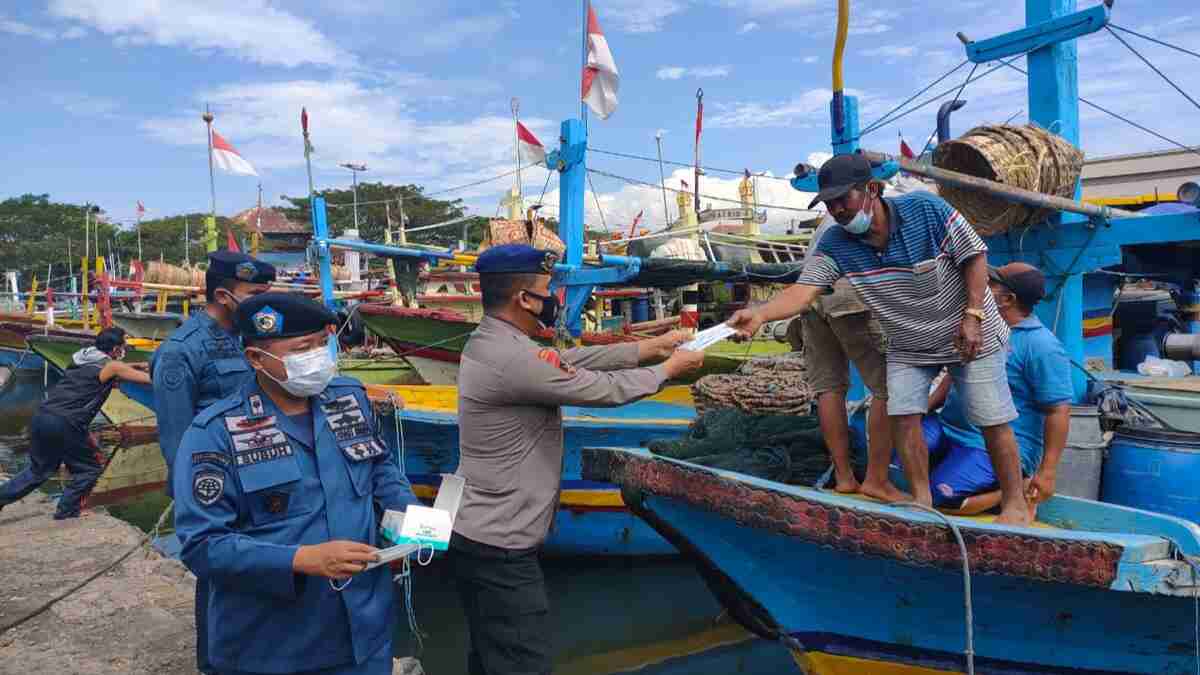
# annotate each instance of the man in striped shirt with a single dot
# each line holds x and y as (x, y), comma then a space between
(922, 270)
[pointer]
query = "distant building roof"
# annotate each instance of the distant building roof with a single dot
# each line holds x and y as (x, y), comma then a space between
(273, 222)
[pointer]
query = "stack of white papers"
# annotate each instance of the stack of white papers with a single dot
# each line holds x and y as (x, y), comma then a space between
(708, 337)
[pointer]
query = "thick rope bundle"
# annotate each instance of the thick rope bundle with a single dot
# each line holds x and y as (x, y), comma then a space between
(771, 385)
(1027, 157)
(173, 275)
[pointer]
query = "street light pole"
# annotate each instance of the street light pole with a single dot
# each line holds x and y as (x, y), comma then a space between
(354, 169)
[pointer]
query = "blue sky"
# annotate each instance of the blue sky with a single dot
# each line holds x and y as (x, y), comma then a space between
(103, 97)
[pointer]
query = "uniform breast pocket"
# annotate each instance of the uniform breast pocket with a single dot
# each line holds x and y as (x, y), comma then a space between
(223, 376)
(926, 279)
(272, 490)
(361, 455)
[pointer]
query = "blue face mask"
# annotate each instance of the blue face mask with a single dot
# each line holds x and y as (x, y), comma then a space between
(861, 223)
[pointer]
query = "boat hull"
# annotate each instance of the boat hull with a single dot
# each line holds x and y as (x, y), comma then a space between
(853, 591)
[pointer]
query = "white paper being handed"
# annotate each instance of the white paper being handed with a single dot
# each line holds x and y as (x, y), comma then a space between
(708, 337)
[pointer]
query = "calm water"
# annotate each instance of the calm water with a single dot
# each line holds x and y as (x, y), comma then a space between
(608, 616)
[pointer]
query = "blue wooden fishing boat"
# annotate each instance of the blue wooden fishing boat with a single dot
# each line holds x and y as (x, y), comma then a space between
(852, 585)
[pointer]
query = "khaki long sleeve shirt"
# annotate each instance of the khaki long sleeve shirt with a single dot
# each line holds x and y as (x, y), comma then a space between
(510, 390)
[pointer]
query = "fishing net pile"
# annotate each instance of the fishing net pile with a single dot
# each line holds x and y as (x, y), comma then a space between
(757, 422)
(782, 448)
(1027, 157)
(769, 385)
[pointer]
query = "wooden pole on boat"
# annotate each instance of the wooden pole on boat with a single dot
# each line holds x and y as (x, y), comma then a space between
(83, 266)
(210, 229)
(696, 162)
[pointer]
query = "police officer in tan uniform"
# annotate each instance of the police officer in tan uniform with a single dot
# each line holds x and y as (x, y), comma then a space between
(509, 392)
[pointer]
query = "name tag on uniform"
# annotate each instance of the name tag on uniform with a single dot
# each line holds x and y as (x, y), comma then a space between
(260, 442)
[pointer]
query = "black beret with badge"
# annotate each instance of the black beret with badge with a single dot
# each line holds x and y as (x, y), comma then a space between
(239, 267)
(516, 259)
(275, 315)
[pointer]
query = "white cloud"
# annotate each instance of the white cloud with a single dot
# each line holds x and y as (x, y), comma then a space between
(251, 30)
(638, 16)
(810, 59)
(748, 27)
(353, 121)
(891, 51)
(74, 33)
(872, 22)
(85, 105)
(448, 35)
(698, 72)
(760, 7)
(808, 109)
(14, 27)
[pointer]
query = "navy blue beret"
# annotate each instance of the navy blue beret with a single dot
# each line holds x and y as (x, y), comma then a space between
(516, 259)
(268, 316)
(239, 267)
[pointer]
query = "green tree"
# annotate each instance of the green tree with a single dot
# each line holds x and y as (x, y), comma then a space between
(376, 200)
(37, 233)
(163, 238)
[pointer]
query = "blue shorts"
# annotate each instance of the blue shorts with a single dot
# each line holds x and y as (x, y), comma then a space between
(983, 384)
(960, 472)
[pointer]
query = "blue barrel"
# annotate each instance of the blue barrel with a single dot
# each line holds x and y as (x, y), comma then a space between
(641, 309)
(1154, 470)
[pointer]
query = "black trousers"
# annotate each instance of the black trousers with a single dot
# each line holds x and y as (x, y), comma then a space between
(503, 594)
(56, 442)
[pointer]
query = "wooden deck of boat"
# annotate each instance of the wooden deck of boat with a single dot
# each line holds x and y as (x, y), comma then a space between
(134, 618)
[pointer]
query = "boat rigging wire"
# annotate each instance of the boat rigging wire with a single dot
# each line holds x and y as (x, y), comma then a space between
(1160, 73)
(706, 169)
(942, 95)
(957, 96)
(910, 99)
(1124, 119)
(596, 197)
(1154, 40)
(635, 181)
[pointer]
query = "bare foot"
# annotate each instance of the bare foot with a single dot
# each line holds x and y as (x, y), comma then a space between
(885, 491)
(1015, 514)
(847, 486)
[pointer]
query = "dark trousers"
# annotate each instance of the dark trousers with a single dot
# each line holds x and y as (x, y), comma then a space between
(504, 596)
(201, 614)
(55, 442)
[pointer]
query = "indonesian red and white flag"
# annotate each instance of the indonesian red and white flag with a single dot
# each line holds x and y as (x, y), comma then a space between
(228, 159)
(905, 151)
(600, 78)
(529, 149)
(141, 209)
(638, 219)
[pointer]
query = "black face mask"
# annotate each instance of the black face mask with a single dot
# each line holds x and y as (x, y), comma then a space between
(549, 314)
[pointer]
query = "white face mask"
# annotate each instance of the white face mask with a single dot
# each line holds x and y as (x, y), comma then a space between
(308, 373)
(861, 223)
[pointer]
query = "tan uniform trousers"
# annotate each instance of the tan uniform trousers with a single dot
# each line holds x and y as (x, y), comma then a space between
(840, 329)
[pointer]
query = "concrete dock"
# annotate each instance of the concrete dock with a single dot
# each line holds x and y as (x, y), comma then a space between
(133, 618)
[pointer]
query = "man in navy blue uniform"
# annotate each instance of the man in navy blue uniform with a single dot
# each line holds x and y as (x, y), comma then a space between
(279, 490)
(200, 364)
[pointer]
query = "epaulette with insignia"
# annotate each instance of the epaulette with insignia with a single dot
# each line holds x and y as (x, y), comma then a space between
(215, 410)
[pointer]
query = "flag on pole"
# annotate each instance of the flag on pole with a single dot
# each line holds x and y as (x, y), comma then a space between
(141, 209)
(685, 184)
(308, 148)
(905, 151)
(638, 219)
(600, 78)
(230, 242)
(228, 159)
(529, 149)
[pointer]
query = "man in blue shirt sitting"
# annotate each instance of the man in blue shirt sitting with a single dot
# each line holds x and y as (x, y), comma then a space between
(1039, 375)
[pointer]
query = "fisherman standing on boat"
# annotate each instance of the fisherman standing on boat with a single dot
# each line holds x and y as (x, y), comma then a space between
(922, 269)
(200, 364)
(840, 330)
(1039, 375)
(59, 428)
(510, 390)
(278, 493)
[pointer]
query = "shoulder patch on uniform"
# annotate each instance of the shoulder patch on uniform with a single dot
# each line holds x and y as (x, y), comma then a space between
(208, 486)
(172, 370)
(552, 357)
(209, 458)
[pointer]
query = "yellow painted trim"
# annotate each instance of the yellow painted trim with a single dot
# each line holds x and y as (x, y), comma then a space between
(568, 498)
(444, 399)
(636, 658)
(1133, 200)
(1100, 322)
(820, 663)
